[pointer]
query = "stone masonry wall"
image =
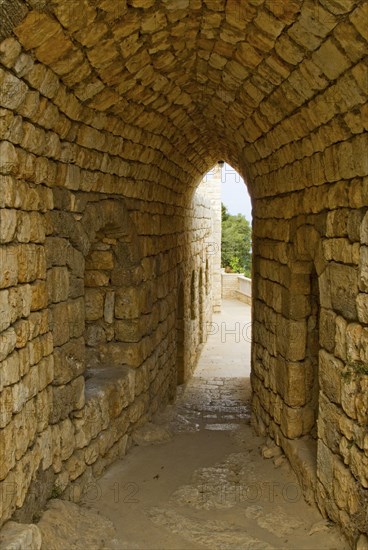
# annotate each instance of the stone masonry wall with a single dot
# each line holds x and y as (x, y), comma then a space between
(210, 186)
(309, 361)
(204, 253)
(229, 285)
(111, 113)
(88, 293)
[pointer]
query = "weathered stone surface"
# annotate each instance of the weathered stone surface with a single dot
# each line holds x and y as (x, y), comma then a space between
(58, 284)
(94, 299)
(69, 361)
(363, 269)
(362, 542)
(344, 280)
(331, 60)
(340, 338)
(9, 51)
(17, 536)
(99, 225)
(151, 434)
(327, 322)
(330, 370)
(67, 398)
(292, 339)
(353, 342)
(65, 523)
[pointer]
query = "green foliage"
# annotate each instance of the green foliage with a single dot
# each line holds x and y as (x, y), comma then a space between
(224, 212)
(236, 242)
(235, 264)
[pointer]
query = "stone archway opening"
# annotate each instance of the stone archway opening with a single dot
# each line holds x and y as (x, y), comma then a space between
(221, 183)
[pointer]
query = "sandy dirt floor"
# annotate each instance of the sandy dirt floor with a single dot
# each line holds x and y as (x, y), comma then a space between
(198, 480)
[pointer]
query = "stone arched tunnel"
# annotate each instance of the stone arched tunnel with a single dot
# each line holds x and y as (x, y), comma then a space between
(111, 113)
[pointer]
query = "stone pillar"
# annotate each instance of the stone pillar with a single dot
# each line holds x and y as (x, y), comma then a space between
(210, 187)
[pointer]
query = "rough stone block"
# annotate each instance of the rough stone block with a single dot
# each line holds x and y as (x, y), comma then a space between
(8, 341)
(69, 361)
(94, 303)
(100, 260)
(353, 342)
(344, 288)
(9, 51)
(39, 295)
(292, 422)
(327, 321)
(10, 370)
(31, 263)
(67, 398)
(128, 303)
(60, 326)
(118, 353)
(12, 90)
(8, 266)
(291, 337)
(128, 330)
(20, 302)
(363, 269)
(331, 371)
(358, 18)
(15, 536)
(291, 382)
(94, 278)
(8, 224)
(325, 465)
(57, 284)
(331, 60)
(340, 338)
(349, 390)
(76, 316)
(75, 261)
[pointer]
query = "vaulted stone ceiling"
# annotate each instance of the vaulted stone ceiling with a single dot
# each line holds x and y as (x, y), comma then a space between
(196, 80)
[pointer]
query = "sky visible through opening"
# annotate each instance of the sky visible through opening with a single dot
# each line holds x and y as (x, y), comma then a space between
(234, 192)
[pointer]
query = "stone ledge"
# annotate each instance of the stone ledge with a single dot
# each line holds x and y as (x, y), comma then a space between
(243, 297)
(113, 386)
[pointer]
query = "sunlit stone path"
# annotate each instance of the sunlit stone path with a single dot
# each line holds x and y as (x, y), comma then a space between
(198, 478)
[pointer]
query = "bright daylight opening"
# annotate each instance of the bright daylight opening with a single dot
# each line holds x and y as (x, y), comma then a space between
(229, 331)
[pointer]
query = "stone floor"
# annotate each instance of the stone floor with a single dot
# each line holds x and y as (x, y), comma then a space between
(199, 477)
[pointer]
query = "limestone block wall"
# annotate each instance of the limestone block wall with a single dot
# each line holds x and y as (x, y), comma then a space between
(236, 287)
(201, 285)
(309, 359)
(89, 277)
(229, 285)
(310, 371)
(210, 187)
(111, 113)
